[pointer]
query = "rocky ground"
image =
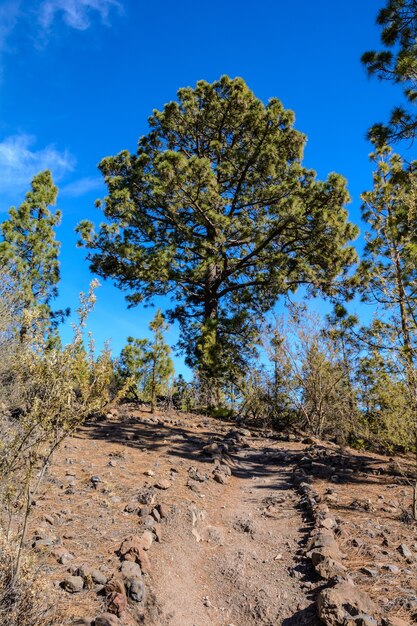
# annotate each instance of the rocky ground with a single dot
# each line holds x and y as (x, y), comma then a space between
(187, 521)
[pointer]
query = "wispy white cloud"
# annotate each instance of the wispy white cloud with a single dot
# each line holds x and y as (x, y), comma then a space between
(9, 13)
(82, 186)
(19, 162)
(75, 13)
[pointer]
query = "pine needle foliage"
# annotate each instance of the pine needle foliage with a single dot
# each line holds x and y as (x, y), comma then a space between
(396, 63)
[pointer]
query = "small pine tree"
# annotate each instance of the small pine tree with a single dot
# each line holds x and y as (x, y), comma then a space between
(148, 363)
(161, 365)
(133, 365)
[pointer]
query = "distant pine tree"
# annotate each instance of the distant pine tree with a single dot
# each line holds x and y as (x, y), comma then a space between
(148, 363)
(29, 248)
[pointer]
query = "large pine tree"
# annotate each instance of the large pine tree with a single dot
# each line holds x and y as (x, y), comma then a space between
(216, 210)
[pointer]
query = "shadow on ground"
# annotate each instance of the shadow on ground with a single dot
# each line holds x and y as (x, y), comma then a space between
(316, 460)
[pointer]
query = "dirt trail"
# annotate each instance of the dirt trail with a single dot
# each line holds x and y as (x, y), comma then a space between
(228, 557)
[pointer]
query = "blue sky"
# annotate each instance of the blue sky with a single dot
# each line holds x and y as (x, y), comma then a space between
(79, 78)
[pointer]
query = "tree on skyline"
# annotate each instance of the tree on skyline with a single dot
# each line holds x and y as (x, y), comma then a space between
(30, 249)
(217, 211)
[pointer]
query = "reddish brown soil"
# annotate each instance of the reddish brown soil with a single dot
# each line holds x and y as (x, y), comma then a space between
(230, 554)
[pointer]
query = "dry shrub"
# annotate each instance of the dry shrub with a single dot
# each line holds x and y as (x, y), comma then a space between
(27, 600)
(59, 388)
(11, 319)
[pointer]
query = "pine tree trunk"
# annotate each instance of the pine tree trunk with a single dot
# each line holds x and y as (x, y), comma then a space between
(409, 355)
(210, 353)
(153, 387)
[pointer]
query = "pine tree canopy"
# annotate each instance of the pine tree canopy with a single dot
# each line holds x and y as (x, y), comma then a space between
(216, 210)
(397, 63)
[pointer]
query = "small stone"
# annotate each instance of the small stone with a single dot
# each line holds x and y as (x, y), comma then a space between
(194, 474)
(219, 477)
(163, 510)
(49, 519)
(146, 540)
(163, 484)
(156, 515)
(129, 546)
(116, 596)
(146, 496)
(132, 576)
(59, 552)
(393, 569)
(143, 560)
(41, 544)
(319, 554)
(85, 570)
(158, 533)
(73, 584)
(225, 469)
(149, 472)
(136, 590)
(335, 605)
(132, 507)
(322, 509)
(405, 551)
(144, 511)
(191, 484)
(328, 523)
(98, 577)
(149, 521)
(107, 619)
(329, 568)
(66, 558)
(368, 571)
(130, 568)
